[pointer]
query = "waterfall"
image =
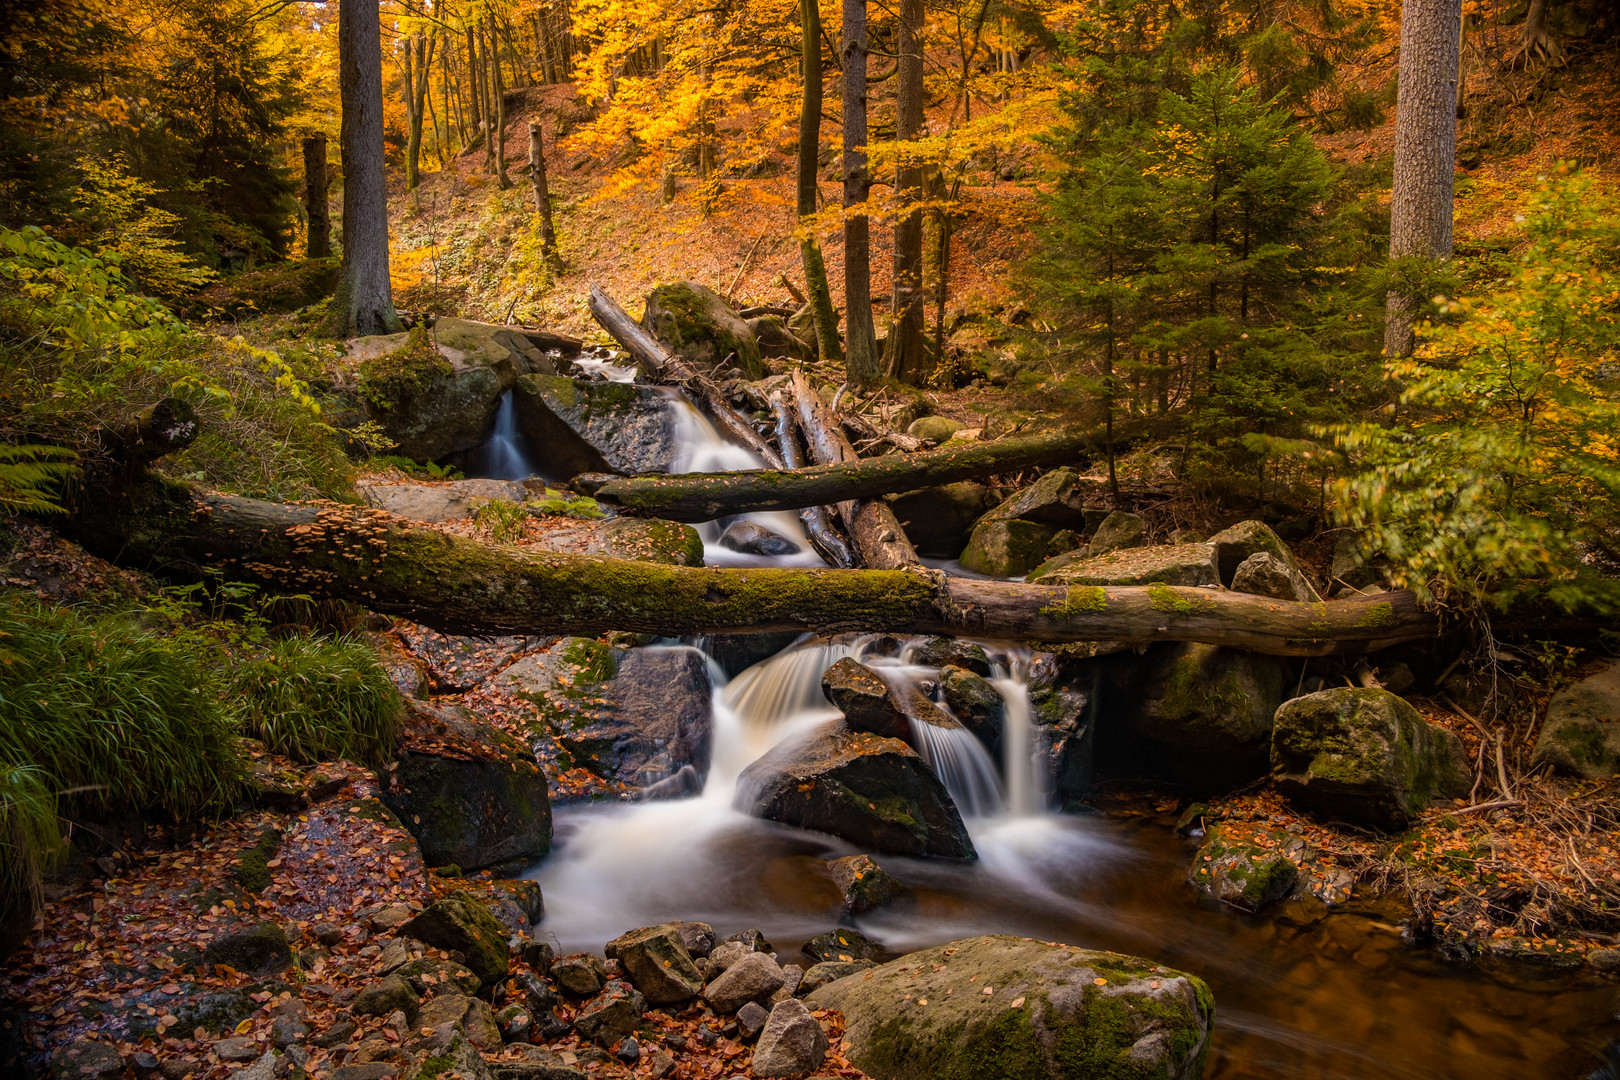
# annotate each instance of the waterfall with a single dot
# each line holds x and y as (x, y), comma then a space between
(963, 765)
(507, 454)
(1028, 787)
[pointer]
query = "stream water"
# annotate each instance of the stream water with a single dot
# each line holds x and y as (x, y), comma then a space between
(1299, 994)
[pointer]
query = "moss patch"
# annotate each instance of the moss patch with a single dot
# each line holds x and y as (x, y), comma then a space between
(1164, 598)
(395, 378)
(1079, 600)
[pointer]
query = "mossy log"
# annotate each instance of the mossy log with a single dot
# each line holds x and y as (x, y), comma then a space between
(458, 585)
(165, 427)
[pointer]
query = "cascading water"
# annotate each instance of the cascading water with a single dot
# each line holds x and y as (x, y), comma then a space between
(1027, 781)
(507, 454)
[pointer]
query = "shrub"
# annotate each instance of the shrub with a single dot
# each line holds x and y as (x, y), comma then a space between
(315, 699)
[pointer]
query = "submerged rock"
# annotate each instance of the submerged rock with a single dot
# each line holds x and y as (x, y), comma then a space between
(578, 426)
(695, 322)
(844, 945)
(1037, 1011)
(872, 791)
(1365, 756)
(1581, 733)
(864, 885)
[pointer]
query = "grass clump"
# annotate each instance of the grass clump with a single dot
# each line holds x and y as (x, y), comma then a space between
(315, 699)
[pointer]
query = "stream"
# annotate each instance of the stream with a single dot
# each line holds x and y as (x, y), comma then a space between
(1298, 994)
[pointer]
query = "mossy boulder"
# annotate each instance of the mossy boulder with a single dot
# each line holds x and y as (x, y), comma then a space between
(504, 348)
(1365, 756)
(260, 949)
(580, 426)
(937, 429)
(695, 322)
(874, 792)
(1170, 564)
(1247, 870)
(1206, 712)
(1581, 733)
(1060, 696)
(1235, 545)
(1117, 532)
(460, 923)
(430, 407)
(1056, 499)
(1007, 548)
(656, 962)
(470, 793)
(939, 520)
(1022, 1010)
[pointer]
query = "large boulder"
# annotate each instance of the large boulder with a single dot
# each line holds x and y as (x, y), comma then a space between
(656, 961)
(471, 794)
(431, 401)
(1056, 499)
(1007, 547)
(939, 520)
(872, 791)
(1364, 755)
(632, 717)
(792, 1043)
(505, 349)
(938, 429)
(579, 426)
(439, 502)
(1581, 733)
(1236, 545)
(460, 923)
(1206, 712)
(1117, 532)
(1263, 574)
(1034, 1011)
(1171, 564)
(695, 322)
(865, 700)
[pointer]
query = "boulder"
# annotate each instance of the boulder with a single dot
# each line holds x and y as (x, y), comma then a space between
(803, 325)
(459, 1060)
(260, 949)
(977, 704)
(472, 795)
(696, 322)
(1263, 574)
(430, 974)
(830, 971)
(630, 716)
(937, 429)
(1051, 1011)
(778, 341)
(1117, 532)
(864, 698)
(1236, 545)
(1238, 870)
(459, 923)
(1206, 712)
(439, 502)
(1057, 499)
(387, 996)
(872, 791)
(792, 1043)
(579, 973)
(1060, 692)
(430, 407)
(656, 961)
(473, 1017)
(751, 538)
(864, 885)
(578, 426)
(611, 1014)
(844, 945)
(1171, 564)
(942, 651)
(456, 663)
(503, 349)
(1365, 756)
(939, 520)
(86, 1059)
(754, 977)
(1581, 733)
(1007, 548)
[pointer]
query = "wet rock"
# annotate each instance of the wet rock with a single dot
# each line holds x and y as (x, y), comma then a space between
(736, 653)
(864, 698)
(470, 793)
(944, 651)
(385, 996)
(751, 1020)
(516, 1024)
(440, 502)
(1172, 564)
(611, 1014)
(260, 949)
(698, 937)
(579, 973)
(1581, 733)
(1364, 756)
(1604, 959)
(431, 975)
(864, 885)
(939, 520)
(751, 538)
(470, 1015)
(1120, 1015)
(976, 704)
(1206, 712)
(844, 945)
(753, 940)
(695, 322)
(937, 429)
(1117, 532)
(1007, 548)
(752, 978)
(525, 895)
(1263, 574)
(776, 340)
(791, 1044)
(656, 962)
(1236, 869)
(459, 923)
(828, 971)
(872, 791)
(578, 426)
(86, 1059)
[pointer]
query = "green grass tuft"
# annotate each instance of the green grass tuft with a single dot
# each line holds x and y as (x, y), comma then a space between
(315, 699)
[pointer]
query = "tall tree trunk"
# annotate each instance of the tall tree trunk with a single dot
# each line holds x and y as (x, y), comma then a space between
(542, 196)
(908, 355)
(475, 93)
(815, 268)
(860, 356)
(1425, 151)
(416, 69)
(498, 100)
(364, 303)
(319, 244)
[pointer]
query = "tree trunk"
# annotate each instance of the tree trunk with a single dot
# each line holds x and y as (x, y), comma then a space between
(417, 64)
(815, 267)
(542, 197)
(497, 104)
(319, 243)
(817, 523)
(364, 303)
(168, 426)
(463, 586)
(908, 355)
(706, 496)
(860, 340)
(1425, 151)
(475, 93)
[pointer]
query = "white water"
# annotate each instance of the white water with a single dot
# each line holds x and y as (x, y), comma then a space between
(507, 454)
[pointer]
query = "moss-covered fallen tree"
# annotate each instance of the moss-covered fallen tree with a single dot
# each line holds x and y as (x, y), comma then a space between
(460, 585)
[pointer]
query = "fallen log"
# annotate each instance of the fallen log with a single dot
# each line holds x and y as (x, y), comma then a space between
(165, 427)
(704, 496)
(875, 531)
(459, 585)
(817, 524)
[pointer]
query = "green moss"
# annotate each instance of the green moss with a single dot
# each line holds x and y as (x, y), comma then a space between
(1379, 615)
(252, 864)
(1079, 600)
(595, 662)
(1165, 598)
(394, 378)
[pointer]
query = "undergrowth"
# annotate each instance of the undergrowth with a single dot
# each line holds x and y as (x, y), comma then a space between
(314, 699)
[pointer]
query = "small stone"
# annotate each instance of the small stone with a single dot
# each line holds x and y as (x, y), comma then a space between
(336, 1035)
(706, 1035)
(286, 1031)
(391, 916)
(1604, 959)
(237, 1049)
(842, 945)
(144, 1062)
(792, 976)
(264, 1067)
(821, 974)
(580, 973)
(754, 977)
(864, 884)
(629, 1051)
(326, 934)
(792, 1042)
(662, 1064)
(86, 1060)
(751, 1019)
(538, 954)
(656, 961)
(612, 1014)
(368, 1070)
(393, 956)
(387, 996)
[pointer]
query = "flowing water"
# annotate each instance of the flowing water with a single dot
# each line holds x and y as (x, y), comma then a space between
(1299, 995)
(507, 455)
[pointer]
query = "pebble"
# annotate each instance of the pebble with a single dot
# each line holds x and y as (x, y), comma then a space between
(629, 1051)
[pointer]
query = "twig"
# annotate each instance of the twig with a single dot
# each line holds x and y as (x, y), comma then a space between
(1501, 768)
(1466, 715)
(1497, 805)
(1479, 771)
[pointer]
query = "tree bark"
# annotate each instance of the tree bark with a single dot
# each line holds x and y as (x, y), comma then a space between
(815, 267)
(319, 243)
(364, 303)
(497, 104)
(465, 586)
(872, 526)
(164, 427)
(817, 522)
(839, 477)
(542, 197)
(860, 340)
(1425, 151)
(908, 355)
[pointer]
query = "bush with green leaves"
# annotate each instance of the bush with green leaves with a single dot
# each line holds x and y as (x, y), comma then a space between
(316, 699)
(1498, 479)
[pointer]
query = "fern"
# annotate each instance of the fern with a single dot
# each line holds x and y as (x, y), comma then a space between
(32, 477)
